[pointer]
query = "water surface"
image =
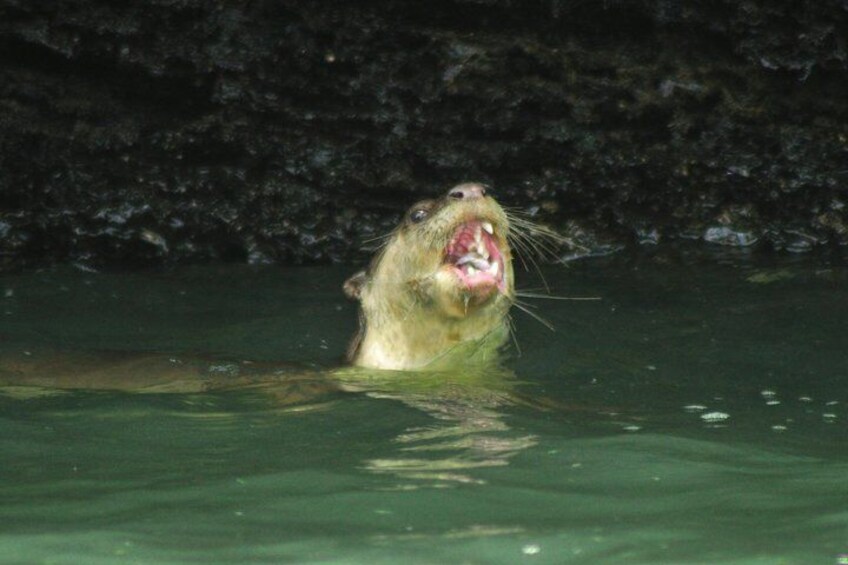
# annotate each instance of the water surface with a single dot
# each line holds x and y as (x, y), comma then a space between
(696, 413)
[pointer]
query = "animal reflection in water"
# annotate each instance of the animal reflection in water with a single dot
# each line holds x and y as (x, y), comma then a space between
(434, 316)
(469, 428)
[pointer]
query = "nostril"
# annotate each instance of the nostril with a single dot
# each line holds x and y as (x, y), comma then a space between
(467, 191)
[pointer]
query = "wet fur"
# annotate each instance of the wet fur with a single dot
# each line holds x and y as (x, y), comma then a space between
(413, 311)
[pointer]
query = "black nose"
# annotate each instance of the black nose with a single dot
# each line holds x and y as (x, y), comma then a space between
(469, 191)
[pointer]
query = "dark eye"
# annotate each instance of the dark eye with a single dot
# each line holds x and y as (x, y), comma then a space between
(418, 215)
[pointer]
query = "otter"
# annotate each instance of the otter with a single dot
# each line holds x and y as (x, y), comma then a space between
(441, 287)
(435, 297)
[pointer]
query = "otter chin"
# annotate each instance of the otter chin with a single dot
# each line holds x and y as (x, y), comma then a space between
(438, 293)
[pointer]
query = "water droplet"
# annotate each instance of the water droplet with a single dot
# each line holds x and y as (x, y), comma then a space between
(531, 549)
(715, 416)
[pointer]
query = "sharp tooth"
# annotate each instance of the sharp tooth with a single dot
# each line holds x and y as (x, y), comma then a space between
(471, 270)
(478, 237)
(488, 227)
(493, 270)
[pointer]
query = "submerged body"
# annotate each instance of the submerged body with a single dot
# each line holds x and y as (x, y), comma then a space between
(436, 296)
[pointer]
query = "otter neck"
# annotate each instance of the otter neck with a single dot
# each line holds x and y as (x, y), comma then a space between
(431, 342)
(408, 332)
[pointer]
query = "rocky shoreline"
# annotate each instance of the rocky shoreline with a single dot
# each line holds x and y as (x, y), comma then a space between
(296, 132)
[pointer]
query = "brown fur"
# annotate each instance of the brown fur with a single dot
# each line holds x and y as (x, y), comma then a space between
(413, 309)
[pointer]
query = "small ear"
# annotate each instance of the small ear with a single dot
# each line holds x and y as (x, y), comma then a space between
(353, 286)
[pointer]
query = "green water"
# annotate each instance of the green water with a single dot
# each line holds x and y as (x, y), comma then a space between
(697, 414)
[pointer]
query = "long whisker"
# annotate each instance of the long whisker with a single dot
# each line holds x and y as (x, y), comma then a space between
(544, 235)
(539, 271)
(382, 239)
(534, 315)
(542, 239)
(522, 249)
(533, 289)
(510, 324)
(522, 246)
(552, 297)
(530, 224)
(531, 242)
(378, 237)
(523, 303)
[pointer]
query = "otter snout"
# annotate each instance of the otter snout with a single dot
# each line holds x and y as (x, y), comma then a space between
(467, 191)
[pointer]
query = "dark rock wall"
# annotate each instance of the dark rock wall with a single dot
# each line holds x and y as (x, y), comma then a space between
(142, 132)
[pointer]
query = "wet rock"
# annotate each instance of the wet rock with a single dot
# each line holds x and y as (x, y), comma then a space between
(725, 235)
(294, 131)
(737, 227)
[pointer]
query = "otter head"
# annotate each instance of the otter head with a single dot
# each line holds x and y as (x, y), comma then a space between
(442, 284)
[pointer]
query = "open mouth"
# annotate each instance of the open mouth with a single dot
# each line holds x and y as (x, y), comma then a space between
(474, 255)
